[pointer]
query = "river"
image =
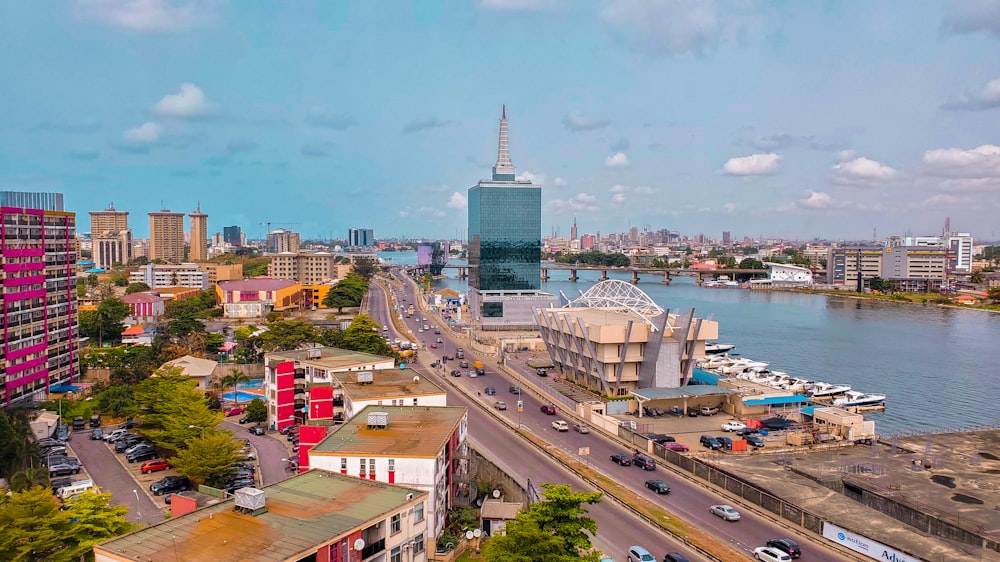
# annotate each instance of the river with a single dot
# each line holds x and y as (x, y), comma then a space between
(936, 364)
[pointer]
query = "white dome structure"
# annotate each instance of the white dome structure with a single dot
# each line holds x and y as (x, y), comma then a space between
(622, 297)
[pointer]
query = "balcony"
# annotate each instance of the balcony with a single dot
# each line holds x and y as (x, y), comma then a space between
(373, 548)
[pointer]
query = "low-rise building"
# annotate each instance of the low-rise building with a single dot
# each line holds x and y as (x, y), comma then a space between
(255, 298)
(138, 335)
(320, 516)
(391, 387)
(221, 271)
(198, 369)
(307, 268)
(422, 448)
(143, 307)
(159, 276)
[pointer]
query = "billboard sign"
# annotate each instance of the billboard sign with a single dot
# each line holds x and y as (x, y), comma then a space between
(864, 545)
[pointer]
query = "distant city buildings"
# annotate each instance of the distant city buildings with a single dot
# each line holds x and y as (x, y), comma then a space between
(199, 235)
(307, 268)
(360, 237)
(160, 276)
(233, 235)
(111, 238)
(166, 236)
(281, 240)
(40, 319)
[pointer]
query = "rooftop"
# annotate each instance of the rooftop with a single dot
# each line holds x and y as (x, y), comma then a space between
(413, 432)
(256, 284)
(329, 358)
(389, 383)
(194, 366)
(690, 391)
(303, 512)
(141, 297)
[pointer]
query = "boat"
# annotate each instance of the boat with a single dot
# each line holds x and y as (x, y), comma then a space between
(716, 348)
(744, 364)
(858, 398)
(827, 390)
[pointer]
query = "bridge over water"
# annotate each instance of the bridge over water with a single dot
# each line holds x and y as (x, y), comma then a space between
(665, 274)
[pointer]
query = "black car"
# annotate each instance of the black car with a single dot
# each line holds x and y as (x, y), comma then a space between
(727, 443)
(747, 431)
(63, 468)
(456, 373)
(490, 391)
(623, 459)
(787, 546)
(710, 442)
(169, 485)
(244, 420)
(97, 434)
(658, 486)
(123, 445)
(514, 389)
(256, 430)
(234, 485)
(128, 424)
(142, 455)
(755, 441)
(674, 557)
(660, 438)
(60, 459)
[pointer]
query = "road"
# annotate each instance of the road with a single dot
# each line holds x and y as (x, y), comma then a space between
(688, 499)
(106, 470)
(271, 449)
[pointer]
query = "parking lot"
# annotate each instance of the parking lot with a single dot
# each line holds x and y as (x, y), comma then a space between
(109, 472)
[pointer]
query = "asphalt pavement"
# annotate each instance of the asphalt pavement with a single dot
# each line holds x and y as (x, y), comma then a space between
(271, 449)
(106, 470)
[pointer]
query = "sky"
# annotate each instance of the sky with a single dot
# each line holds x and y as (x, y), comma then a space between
(825, 119)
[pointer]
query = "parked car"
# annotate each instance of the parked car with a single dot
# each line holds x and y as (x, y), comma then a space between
(768, 554)
(256, 430)
(710, 442)
(560, 425)
(549, 409)
(747, 431)
(142, 455)
(500, 405)
(97, 434)
(128, 424)
(708, 410)
(676, 447)
(787, 546)
(170, 484)
(54, 450)
(79, 423)
(63, 468)
(754, 441)
(234, 485)
(692, 412)
(490, 391)
(660, 438)
(109, 437)
(285, 430)
(60, 459)
(238, 411)
(243, 420)
(124, 444)
(623, 459)
(514, 389)
(580, 428)
(727, 443)
(154, 466)
(733, 426)
(95, 420)
(140, 444)
(658, 486)
(726, 512)
(675, 557)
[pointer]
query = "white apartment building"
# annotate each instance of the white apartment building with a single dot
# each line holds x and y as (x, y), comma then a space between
(159, 276)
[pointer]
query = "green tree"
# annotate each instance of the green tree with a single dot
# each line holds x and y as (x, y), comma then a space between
(106, 321)
(366, 267)
(233, 381)
(976, 278)
(92, 280)
(555, 529)
(283, 336)
(184, 325)
(750, 263)
(172, 410)
(116, 399)
(878, 284)
(139, 287)
(17, 450)
(209, 459)
(994, 295)
(119, 278)
(347, 293)
(363, 335)
(29, 478)
(256, 411)
(81, 290)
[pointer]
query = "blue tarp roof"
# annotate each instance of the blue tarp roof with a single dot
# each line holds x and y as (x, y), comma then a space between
(94, 270)
(705, 377)
(775, 400)
(60, 388)
(808, 410)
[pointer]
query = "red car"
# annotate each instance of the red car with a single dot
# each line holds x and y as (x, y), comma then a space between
(155, 465)
(234, 411)
(549, 409)
(677, 447)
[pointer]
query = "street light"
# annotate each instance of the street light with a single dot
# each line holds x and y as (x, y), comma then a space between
(137, 511)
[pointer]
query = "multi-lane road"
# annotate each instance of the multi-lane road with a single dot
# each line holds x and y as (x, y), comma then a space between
(688, 499)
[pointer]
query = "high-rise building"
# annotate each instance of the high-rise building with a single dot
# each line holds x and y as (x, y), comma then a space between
(233, 236)
(727, 238)
(40, 326)
(166, 236)
(108, 220)
(282, 240)
(360, 237)
(199, 235)
(960, 250)
(572, 230)
(111, 237)
(587, 242)
(505, 245)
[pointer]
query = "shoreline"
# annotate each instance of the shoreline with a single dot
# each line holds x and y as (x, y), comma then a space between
(869, 297)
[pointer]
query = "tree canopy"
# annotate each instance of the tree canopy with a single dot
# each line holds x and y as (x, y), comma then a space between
(208, 459)
(366, 267)
(17, 451)
(750, 263)
(596, 258)
(139, 287)
(256, 411)
(363, 335)
(172, 410)
(347, 293)
(106, 321)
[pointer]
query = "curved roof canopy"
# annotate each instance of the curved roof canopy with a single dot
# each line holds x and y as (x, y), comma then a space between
(619, 296)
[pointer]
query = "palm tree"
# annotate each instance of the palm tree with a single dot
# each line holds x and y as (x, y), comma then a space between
(976, 278)
(234, 380)
(29, 478)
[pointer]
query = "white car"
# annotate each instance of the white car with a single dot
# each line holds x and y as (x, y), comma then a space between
(560, 425)
(733, 426)
(726, 512)
(770, 554)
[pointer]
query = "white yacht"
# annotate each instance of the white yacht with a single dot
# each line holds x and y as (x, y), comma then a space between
(742, 365)
(825, 389)
(716, 348)
(858, 398)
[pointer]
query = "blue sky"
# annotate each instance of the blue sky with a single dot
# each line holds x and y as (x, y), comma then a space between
(793, 119)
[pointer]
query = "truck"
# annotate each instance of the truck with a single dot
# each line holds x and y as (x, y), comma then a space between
(478, 366)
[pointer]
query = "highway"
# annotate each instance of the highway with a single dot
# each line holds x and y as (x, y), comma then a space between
(688, 499)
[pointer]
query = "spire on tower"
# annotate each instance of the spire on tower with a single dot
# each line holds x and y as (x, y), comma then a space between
(504, 169)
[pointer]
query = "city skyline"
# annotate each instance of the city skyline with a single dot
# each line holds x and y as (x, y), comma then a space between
(785, 121)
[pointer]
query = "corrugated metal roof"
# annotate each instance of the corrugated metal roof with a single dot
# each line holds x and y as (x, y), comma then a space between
(303, 513)
(331, 358)
(773, 400)
(389, 384)
(413, 431)
(689, 391)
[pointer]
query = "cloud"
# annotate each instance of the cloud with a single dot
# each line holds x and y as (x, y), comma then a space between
(617, 198)
(863, 171)
(753, 165)
(320, 117)
(957, 169)
(816, 200)
(241, 146)
(559, 182)
(516, 5)
(153, 16)
(987, 98)
(187, 103)
(972, 16)
(664, 27)
(146, 134)
(431, 212)
(457, 201)
(619, 191)
(616, 160)
(404, 214)
(845, 155)
(538, 179)
(424, 124)
(581, 202)
(576, 121)
(730, 208)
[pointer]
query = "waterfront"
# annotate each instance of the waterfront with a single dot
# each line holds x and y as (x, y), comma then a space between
(934, 363)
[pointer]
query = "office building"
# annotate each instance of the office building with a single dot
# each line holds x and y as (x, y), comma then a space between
(281, 240)
(161, 276)
(727, 238)
(221, 272)
(255, 298)
(573, 231)
(166, 236)
(505, 245)
(233, 236)
(307, 268)
(960, 249)
(109, 219)
(38, 296)
(111, 247)
(199, 235)
(360, 237)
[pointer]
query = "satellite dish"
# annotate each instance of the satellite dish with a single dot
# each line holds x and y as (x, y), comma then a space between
(496, 493)
(359, 544)
(416, 378)
(469, 535)
(477, 533)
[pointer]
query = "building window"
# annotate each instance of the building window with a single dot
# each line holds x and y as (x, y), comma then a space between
(396, 555)
(392, 465)
(396, 524)
(343, 464)
(622, 391)
(414, 401)
(418, 512)
(362, 466)
(492, 310)
(371, 467)
(418, 543)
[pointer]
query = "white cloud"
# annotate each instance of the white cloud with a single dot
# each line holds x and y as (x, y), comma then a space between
(576, 121)
(845, 155)
(753, 165)
(586, 197)
(618, 198)
(730, 208)
(432, 212)
(972, 16)
(559, 182)
(616, 160)
(581, 202)
(189, 102)
(620, 189)
(516, 5)
(665, 27)
(538, 179)
(147, 133)
(816, 200)
(404, 214)
(457, 201)
(987, 98)
(863, 171)
(958, 169)
(150, 15)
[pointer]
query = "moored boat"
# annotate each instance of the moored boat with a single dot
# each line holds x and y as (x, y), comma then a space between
(827, 390)
(858, 398)
(716, 348)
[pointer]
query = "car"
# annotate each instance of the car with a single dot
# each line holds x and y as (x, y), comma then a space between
(549, 409)
(111, 436)
(434, 346)
(639, 554)
(500, 405)
(128, 424)
(385, 328)
(660, 438)
(623, 459)
(733, 426)
(676, 447)
(234, 485)
(63, 434)
(54, 450)
(143, 455)
(437, 332)
(710, 442)
(726, 512)
(244, 420)
(692, 412)
(769, 554)
(754, 441)
(463, 364)
(126, 445)
(237, 411)
(60, 459)
(643, 461)
(580, 428)
(63, 468)
(658, 486)
(514, 389)
(97, 434)
(490, 391)
(788, 546)
(287, 430)
(448, 357)
(154, 466)
(239, 473)
(542, 372)
(675, 557)
(747, 431)
(170, 484)
(560, 425)
(727, 443)
(456, 373)
(439, 340)
(47, 442)
(256, 430)
(708, 410)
